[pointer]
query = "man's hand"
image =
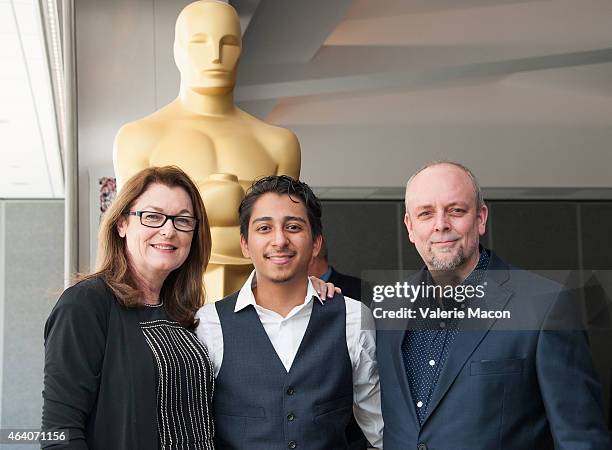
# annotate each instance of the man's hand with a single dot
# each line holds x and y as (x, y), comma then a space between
(325, 290)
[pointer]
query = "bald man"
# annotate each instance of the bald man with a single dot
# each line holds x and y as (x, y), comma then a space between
(452, 383)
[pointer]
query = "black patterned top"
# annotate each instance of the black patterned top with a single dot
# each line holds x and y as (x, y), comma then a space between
(185, 383)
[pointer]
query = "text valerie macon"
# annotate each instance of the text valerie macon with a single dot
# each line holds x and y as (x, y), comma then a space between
(439, 313)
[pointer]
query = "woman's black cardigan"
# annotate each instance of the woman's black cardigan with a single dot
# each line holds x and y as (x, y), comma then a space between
(99, 378)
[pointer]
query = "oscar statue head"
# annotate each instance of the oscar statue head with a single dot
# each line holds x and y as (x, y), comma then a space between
(207, 47)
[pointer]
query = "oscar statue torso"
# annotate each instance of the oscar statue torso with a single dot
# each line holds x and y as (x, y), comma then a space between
(215, 145)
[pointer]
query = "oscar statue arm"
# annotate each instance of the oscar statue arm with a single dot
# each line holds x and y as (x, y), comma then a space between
(284, 147)
(132, 149)
(221, 193)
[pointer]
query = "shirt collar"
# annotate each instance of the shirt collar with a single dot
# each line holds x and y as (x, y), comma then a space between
(478, 274)
(327, 274)
(246, 297)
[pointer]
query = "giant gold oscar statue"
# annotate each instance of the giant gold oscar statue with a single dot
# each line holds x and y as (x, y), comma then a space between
(220, 146)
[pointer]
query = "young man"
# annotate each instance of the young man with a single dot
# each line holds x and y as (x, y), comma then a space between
(289, 367)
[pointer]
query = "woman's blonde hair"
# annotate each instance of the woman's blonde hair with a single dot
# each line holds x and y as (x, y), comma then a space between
(183, 290)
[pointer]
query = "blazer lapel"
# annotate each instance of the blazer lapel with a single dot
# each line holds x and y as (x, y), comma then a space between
(396, 340)
(467, 340)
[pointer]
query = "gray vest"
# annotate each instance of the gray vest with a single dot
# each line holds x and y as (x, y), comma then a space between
(259, 406)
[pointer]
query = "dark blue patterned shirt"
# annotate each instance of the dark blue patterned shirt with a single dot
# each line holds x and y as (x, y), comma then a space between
(425, 347)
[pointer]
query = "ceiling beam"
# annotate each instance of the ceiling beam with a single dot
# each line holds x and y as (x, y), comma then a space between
(413, 78)
(282, 32)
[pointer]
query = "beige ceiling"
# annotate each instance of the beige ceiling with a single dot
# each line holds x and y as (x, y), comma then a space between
(522, 84)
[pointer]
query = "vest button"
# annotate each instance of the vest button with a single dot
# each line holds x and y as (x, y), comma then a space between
(292, 444)
(290, 391)
(290, 417)
(422, 447)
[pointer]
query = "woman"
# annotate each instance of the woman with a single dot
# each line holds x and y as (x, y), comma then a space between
(123, 369)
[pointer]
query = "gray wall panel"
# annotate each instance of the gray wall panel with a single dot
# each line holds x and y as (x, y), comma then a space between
(33, 280)
(536, 235)
(596, 222)
(596, 219)
(361, 235)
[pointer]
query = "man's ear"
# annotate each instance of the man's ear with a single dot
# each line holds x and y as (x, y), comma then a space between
(408, 223)
(122, 226)
(317, 244)
(483, 214)
(244, 246)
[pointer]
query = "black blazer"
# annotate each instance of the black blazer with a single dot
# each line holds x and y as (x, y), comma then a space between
(501, 387)
(351, 286)
(99, 380)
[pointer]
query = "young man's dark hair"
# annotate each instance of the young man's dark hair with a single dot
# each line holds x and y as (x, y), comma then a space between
(281, 185)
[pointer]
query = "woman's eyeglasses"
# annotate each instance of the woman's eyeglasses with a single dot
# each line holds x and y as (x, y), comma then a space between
(154, 219)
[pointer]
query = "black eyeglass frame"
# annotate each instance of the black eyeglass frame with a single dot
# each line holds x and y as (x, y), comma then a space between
(167, 216)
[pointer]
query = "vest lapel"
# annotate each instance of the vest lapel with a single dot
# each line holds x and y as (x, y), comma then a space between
(307, 334)
(316, 310)
(251, 314)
